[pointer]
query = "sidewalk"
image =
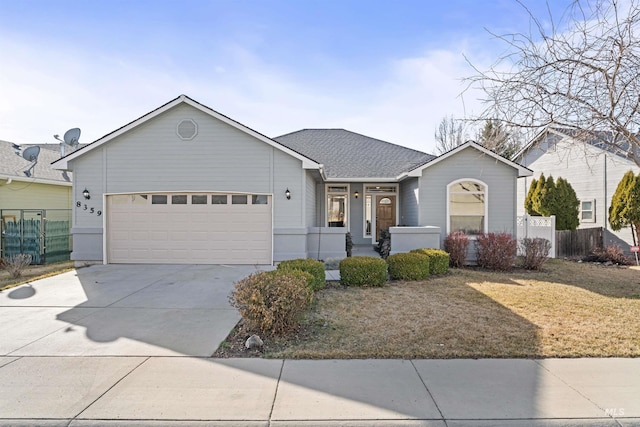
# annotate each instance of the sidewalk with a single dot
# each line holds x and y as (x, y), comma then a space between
(178, 391)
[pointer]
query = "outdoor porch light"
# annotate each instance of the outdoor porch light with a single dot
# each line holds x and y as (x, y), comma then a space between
(288, 194)
(356, 194)
(86, 194)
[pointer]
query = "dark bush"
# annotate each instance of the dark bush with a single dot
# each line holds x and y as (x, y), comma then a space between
(311, 266)
(456, 245)
(384, 244)
(612, 254)
(534, 252)
(408, 266)
(438, 260)
(363, 271)
(273, 301)
(496, 251)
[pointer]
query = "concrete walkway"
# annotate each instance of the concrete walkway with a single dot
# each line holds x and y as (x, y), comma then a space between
(154, 391)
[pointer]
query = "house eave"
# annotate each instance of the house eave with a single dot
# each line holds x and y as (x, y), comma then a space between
(34, 180)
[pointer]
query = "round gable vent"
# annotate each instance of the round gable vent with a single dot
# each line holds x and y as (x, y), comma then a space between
(187, 129)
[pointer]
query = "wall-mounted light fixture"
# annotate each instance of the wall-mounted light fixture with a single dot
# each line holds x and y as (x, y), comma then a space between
(288, 194)
(86, 194)
(356, 194)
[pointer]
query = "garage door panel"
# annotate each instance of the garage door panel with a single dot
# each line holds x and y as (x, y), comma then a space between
(141, 232)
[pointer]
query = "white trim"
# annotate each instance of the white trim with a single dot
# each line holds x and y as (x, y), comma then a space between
(35, 180)
(486, 202)
(346, 193)
(593, 211)
(62, 164)
(417, 172)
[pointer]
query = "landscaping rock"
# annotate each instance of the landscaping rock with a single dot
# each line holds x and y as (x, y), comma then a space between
(253, 341)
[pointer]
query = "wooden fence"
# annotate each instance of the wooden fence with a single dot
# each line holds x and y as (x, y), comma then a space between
(579, 242)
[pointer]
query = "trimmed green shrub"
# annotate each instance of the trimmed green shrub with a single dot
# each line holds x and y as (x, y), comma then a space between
(456, 244)
(408, 266)
(311, 266)
(496, 251)
(438, 260)
(273, 301)
(363, 271)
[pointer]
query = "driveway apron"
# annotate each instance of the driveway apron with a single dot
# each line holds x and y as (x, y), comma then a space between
(122, 310)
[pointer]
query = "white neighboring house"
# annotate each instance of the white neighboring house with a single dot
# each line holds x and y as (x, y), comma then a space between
(592, 169)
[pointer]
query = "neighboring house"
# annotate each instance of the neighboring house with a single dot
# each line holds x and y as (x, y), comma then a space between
(30, 193)
(186, 184)
(592, 169)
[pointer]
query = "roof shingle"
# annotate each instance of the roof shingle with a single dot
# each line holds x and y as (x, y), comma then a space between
(349, 155)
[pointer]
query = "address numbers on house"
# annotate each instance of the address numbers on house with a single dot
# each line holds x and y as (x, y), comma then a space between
(89, 209)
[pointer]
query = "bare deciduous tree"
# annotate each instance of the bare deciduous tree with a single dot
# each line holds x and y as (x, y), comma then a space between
(450, 133)
(581, 73)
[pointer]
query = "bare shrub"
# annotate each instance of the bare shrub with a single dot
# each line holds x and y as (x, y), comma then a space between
(535, 252)
(14, 264)
(611, 253)
(456, 245)
(496, 251)
(273, 301)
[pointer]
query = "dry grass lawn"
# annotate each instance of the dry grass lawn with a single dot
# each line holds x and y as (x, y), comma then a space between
(567, 310)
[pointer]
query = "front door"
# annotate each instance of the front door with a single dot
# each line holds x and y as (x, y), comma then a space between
(385, 213)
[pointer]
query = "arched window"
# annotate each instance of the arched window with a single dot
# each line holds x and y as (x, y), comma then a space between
(467, 206)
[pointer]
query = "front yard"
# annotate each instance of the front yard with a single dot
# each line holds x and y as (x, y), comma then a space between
(567, 310)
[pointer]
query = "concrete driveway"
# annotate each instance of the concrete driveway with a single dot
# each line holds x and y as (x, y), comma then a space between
(122, 310)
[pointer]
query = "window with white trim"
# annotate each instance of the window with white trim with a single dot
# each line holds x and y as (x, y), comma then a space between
(588, 211)
(467, 207)
(337, 205)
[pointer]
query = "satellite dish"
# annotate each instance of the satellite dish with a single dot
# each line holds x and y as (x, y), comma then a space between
(72, 136)
(31, 153)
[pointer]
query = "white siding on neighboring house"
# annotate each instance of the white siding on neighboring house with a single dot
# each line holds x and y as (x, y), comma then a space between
(593, 174)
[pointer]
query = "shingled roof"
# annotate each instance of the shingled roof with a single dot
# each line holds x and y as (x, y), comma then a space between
(13, 166)
(349, 155)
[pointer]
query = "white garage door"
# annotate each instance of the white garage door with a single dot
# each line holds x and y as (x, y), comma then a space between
(189, 228)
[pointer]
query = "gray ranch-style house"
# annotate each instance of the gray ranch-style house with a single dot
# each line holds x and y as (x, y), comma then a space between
(186, 184)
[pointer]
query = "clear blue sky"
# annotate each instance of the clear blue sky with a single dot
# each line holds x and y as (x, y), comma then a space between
(387, 69)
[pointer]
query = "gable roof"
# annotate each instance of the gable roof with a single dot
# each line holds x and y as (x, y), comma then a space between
(594, 138)
(62, 163)
(522, 170)
(354, 157)
(12, 165)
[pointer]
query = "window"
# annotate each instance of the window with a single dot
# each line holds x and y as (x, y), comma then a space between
(219, 199)
(588, 211)
(199, 199)
(259, 200)
(158, 199)
(467, 207)
(237, 199)
(337, 205)
(368, 215)
(179, 199)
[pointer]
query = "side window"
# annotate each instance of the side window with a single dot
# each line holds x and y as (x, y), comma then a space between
(467, 207)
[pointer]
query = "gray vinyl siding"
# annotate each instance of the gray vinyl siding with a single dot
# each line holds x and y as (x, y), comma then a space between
(409, 202)
(151, 157)
(310, 196)
(356, 224)
(584, 167)
(499, 177)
